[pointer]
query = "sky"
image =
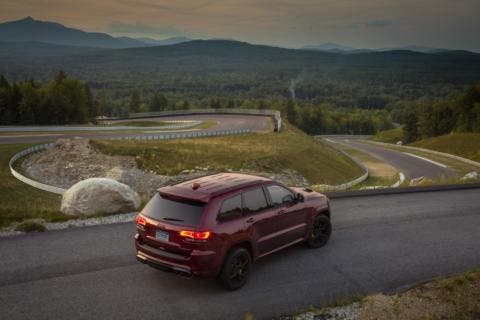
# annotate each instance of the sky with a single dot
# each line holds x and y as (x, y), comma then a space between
(453, 24)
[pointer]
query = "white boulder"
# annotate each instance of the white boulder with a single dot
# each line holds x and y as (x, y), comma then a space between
(99, 195)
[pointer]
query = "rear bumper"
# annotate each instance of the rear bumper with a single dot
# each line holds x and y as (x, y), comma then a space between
(199, 263)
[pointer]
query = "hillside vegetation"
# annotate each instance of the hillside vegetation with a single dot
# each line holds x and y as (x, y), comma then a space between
(389, 136)
(267, 152)
(465, 145)
(20, 201)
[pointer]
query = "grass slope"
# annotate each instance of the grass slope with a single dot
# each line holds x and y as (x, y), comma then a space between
(266, 152)
(465, 145)
(389, 136)
(18, 200)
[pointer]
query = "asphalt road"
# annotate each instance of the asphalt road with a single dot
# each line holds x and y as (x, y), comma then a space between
(412, 167)
(224, 122)
(379, 243)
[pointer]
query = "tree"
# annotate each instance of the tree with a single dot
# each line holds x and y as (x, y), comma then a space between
(135, 102)
(158, 103)
(290, 111)
(410, 132)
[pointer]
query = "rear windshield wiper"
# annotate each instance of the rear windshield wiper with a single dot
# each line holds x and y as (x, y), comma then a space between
(172, 219)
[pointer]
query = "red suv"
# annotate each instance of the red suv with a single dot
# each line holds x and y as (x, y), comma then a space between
(218, 225)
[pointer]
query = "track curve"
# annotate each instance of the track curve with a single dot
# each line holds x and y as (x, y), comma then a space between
(223, 122)
(411, 166)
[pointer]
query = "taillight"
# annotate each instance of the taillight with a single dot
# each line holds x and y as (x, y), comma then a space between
(195, 235)
(141, 221)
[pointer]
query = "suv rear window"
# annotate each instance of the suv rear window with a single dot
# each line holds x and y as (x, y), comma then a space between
(174, 211)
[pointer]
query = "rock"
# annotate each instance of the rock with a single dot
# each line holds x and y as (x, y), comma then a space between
(399, 143)
(470, 176)
(97, 195)
(416, 181)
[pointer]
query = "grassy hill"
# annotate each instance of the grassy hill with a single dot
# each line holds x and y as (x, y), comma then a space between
(389, 136)
(261, 152)
(465, 145)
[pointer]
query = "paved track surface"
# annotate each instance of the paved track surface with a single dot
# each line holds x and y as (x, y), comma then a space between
(224, 122)
(412, 167)
(379, 243)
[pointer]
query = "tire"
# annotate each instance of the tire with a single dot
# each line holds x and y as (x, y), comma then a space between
(236, 268)
(320, 233)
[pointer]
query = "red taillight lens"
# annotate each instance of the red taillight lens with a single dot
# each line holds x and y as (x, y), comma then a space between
(141, 221)
(195, 235)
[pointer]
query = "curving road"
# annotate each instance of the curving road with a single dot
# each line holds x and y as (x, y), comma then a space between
(223, 122)
(379, 243)
(412, 167)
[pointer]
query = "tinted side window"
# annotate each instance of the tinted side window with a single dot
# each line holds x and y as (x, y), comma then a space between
(254, 200)
(231, 208)
(279, 194)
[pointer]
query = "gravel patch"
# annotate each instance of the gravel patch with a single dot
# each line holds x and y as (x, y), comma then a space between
(347, 312)
(72, 160)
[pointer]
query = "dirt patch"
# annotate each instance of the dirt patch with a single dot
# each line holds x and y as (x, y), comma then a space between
(72, 160)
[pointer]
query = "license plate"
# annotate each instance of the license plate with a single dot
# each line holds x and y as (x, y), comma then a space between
(162, 235)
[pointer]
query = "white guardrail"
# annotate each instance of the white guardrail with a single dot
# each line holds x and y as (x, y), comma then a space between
(163, 136)
(277, 119)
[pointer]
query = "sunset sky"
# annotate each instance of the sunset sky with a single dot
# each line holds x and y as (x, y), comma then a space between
(357, 23)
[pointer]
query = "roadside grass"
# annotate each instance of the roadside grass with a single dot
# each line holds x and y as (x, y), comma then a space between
(30, 226)
(453, 297)
(19, 201)
(389, 136)
(260, 152)
(466, 145)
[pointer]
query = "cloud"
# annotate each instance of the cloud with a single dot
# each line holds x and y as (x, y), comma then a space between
(378, 23)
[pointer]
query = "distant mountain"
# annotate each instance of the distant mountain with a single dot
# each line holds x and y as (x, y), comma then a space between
(329, 46)
(31, 30)
(333, 47)
(415, 48)
(164, 42)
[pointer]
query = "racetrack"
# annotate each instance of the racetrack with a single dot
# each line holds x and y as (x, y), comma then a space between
(223, 122)
(412, 167)
(380, 243)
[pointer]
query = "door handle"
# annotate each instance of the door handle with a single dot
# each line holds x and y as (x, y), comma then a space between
(281, 212)
(250, 220)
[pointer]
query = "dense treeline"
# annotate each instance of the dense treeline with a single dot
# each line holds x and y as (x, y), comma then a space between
(62, 101)
(65, 100)
(430, 118)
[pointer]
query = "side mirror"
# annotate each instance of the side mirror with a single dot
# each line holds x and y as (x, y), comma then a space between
(299, 197)
(288, 199)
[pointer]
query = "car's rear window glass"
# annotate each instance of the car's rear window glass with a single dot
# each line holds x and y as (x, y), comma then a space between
(254, 200)
(174, 211)
(231, 208)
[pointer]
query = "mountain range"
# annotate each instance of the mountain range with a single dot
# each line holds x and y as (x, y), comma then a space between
(338, 48)
(32, 30)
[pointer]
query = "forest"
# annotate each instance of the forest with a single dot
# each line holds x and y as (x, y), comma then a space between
(430, 118)
(321, 93)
